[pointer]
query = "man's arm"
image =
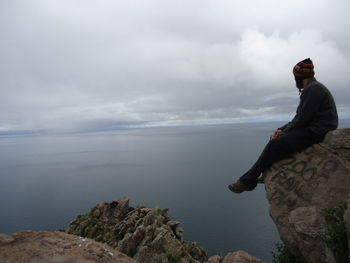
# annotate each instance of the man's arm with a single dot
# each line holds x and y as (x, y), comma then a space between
(310, 101)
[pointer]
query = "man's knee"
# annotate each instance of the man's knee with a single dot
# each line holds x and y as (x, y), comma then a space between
(291, 142)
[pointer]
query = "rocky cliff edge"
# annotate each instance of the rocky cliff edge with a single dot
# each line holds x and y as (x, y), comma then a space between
(301, 187)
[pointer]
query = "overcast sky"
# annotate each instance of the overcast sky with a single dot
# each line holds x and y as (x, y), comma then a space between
(102, 63)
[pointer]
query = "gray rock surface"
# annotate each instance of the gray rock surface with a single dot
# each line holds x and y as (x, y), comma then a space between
(56, 247)
(298, 188)
(338, 141)
(146, 234)
(347, 223)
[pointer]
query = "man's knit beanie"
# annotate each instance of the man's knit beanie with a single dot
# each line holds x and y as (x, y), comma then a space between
(304, 69)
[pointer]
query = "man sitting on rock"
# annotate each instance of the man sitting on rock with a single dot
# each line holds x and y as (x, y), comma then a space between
(315, 116)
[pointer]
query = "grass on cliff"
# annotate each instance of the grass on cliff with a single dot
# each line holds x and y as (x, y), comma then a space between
(282, 255)
(335, 236)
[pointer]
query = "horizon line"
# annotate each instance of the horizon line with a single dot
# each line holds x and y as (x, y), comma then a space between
(148, 125)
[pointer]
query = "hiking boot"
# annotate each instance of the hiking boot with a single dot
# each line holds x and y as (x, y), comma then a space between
(239, 187)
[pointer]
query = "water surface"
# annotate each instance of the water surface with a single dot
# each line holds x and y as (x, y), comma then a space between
(46, 181)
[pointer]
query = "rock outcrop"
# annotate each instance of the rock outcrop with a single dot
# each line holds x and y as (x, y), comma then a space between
(56, 247)
(146, 234)
(298, 188)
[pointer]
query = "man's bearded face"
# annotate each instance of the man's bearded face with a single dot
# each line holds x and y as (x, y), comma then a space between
(299, 83)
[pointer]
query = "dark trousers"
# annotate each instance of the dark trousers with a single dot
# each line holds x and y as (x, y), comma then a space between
(287, 143)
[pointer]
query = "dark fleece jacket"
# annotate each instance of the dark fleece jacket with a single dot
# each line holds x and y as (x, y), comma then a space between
(316, 111)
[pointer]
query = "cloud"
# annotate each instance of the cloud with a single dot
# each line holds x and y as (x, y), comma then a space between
(69, 63)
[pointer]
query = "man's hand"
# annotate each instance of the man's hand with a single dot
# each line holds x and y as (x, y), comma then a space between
(276, 133)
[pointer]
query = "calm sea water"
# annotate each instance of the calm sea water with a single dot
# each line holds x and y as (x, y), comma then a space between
(46, 181)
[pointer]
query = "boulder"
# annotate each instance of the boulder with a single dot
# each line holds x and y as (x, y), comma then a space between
(299, 187)
(214, 259)
(146, 234)
(239, 256)
(56, 247)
